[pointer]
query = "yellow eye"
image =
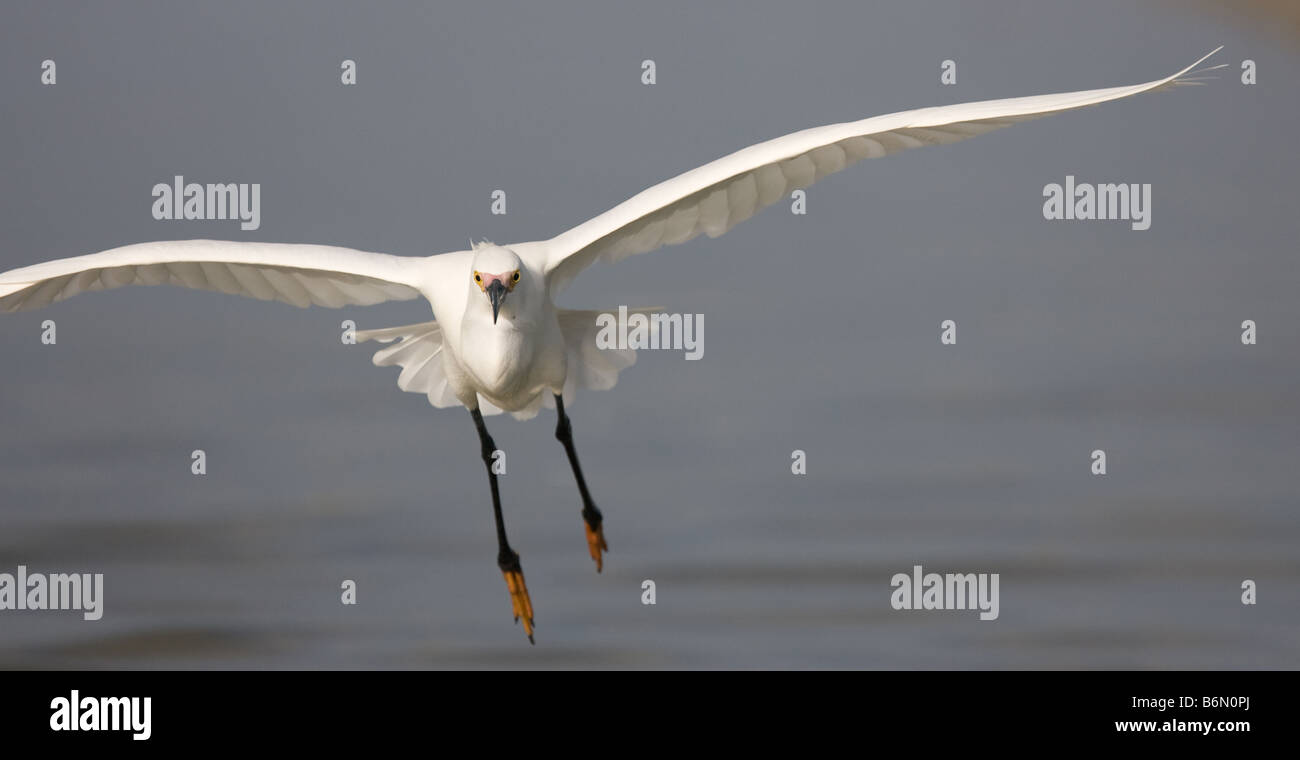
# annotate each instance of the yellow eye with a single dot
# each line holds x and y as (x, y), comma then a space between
(477, 278)
(516, 277)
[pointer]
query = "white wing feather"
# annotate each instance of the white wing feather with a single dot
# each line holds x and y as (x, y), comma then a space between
(301, 275)
(590, 366)
(713, 198)
(418, 351)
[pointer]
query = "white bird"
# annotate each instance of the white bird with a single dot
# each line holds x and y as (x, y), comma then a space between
(498, 342)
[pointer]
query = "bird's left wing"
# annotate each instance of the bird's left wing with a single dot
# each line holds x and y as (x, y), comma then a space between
(301, 275)
(713, 198)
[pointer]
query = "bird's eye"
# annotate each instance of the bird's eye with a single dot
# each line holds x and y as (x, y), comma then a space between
(477, 278)
(516, 277)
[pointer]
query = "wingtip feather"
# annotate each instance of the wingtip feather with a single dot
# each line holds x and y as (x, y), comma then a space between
(1198, 62)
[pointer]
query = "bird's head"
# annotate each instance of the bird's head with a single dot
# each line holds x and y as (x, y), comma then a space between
(495, 273)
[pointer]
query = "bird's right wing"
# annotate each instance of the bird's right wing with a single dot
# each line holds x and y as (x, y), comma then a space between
(301, 275)
(713, 198)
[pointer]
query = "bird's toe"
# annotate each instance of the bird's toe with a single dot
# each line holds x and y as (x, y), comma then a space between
(520, 603)
(596, 543)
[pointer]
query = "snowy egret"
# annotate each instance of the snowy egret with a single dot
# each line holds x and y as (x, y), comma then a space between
(498, 342)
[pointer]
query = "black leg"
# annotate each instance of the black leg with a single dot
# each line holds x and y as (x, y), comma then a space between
(507, 558)
(590, 514)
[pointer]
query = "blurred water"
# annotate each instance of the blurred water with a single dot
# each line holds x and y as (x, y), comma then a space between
(822, 335)
(754, 567)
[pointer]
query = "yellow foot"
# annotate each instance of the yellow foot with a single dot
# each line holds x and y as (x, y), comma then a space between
(596, 543)
(519, 601)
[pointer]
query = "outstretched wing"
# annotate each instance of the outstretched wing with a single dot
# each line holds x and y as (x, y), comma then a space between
(715, 197)
(301, 275)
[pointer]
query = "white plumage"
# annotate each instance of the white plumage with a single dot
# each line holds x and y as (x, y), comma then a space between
(497, 341)
(436, 357)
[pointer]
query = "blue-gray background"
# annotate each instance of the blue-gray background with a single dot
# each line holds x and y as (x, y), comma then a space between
(821, 334)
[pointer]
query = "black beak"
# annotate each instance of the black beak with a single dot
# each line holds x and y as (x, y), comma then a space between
(496, 292)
